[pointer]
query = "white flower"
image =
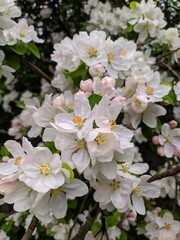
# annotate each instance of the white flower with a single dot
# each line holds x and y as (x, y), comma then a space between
(90, 48)
(141, 188)
(3, 235)
(169, 228)
(42, 170)
(169, 138)
(177, 90)
(55, 200)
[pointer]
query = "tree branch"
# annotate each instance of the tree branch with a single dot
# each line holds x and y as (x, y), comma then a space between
(31, 228)
(170, 172)
(167, 66)
(37, 70)
(167, 54)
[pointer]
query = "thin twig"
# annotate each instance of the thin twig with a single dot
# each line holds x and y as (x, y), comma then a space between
(37, 70)
(167, 54)
(170, 172)
(31, 228)
(162, 63)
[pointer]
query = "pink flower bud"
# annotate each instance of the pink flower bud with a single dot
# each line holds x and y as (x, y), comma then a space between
(158, 209)
(97, 70)
(86, 86)
(173, 124)
(155, 140)
(160, 151)
(5, 159)
(16, 122)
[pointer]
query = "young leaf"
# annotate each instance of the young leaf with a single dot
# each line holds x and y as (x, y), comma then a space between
(96, 227)
(34, 49)
(94, 99)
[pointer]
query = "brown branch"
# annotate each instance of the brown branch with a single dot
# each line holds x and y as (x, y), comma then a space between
(167, 66)
(167, 54)
(31, 228)
(36, 70)
(170, 172)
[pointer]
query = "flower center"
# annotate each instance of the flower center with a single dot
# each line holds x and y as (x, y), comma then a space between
(124, 53)
(45, 168)
(10, 37)
(137, 102)
(17, 161)
(169, 138)
(78, 121)
(81, 144)
(149, 90)
(167, 226)
(52, 120)
(115, 185)
(112, 123)
(22, 32)
(56, 191)
(92, 52)
(138, 191)
(100, 139)
(70, 106)
(110, 57)
(155, 226)
(126, 167)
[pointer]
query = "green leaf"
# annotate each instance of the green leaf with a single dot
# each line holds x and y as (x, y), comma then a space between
(13, 62)
(21, 104)
(147, 132)
(164, 211)
(129, 28)
(96, 227)
(66, 166)
(51, 147)
(94, 99)
(111, 221)
(73, 204)
(133, 5)
(4, 151)
(123, 235)
(2, 216)
(19, 48)
(171, 97)
(79, 72)
(34, 49)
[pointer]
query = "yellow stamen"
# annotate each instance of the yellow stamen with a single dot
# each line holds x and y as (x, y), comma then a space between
(167, 226)
(112, 123)
(110, 57)
(169, 138)
(81, 144)
(115, 185)
(52, 120)
(100, 139)
(70, 107)
(22, 32)
(17, 161)
(149, 90)
(138, 191)
(92, 52)
(137, 102)
(126, 167)
(45, 168)
(124, 53)
(56, 191)
(155, 226)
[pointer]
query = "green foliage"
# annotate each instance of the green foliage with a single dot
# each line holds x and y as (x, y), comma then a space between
(96, 228)
(52, 147)
(34, 50)
(73, 204)
(111, 221)
(133, 5)
(12, 61)
(67, 167)
(19, 48)
(4, 151)
(94, 99)
(171, 97)
(123, 235)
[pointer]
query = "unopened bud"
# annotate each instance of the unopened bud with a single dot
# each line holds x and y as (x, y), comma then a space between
(155, 140)
(160, 151)
(173, 124)
(97, 70)
(86, 86)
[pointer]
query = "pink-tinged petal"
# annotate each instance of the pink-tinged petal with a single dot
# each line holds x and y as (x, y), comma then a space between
(32, 171)
(37, 184)
(138, 204)
(168, 149)
(76, 188)
(14, 148)
(8, 168)
(58, 204)
(81, 160)
(118, 199)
